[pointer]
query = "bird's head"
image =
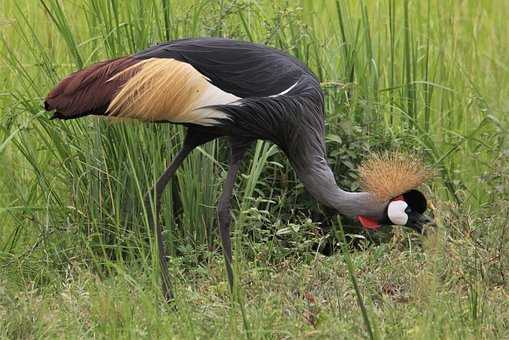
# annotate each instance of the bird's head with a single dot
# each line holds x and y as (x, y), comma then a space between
(392, 179)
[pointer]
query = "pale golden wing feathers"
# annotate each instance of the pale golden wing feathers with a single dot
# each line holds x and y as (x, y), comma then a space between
(168, 90)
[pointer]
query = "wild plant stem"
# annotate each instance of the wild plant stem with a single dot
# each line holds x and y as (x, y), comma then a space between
(349, 265)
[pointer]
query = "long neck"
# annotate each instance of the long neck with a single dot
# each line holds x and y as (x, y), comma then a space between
(315, 173)
(301, 134)
(320, 183)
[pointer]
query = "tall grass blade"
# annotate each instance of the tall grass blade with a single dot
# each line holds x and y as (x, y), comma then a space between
(360, 301)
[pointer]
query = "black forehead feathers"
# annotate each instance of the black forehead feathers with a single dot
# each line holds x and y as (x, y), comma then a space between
(416, 200)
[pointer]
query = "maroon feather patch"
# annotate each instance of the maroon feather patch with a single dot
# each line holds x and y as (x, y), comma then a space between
(88, 91)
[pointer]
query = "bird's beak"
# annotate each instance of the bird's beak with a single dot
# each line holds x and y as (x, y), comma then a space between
(421, 220)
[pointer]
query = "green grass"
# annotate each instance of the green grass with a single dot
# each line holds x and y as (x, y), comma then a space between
(77, 257)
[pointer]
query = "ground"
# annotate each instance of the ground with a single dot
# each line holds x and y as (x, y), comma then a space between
(77, 257)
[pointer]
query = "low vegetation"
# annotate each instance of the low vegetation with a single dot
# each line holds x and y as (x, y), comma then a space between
(77, 257)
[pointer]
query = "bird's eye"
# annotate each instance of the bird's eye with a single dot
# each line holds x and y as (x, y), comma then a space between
(408, 210)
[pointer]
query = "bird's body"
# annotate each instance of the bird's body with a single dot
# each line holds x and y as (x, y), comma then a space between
(258, 93)
(228, 70)
(245, 79)
(221, 87)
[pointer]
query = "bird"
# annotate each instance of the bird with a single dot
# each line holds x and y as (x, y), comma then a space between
(243, 92)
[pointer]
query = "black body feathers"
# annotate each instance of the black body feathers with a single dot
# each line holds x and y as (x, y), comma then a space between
(280, 99)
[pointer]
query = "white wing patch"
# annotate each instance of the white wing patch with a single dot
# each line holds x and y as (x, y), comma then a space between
(396, 212)
(212, 95)
(285, 91)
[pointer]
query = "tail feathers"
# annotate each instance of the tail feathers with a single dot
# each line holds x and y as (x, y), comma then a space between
(89, 91)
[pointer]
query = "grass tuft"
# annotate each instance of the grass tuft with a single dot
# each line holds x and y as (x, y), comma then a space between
(77, 255)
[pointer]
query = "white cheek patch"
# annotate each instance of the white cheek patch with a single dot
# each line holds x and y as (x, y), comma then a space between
(396, 212)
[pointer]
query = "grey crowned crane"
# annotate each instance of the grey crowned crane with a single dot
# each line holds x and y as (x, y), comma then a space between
(245, 92)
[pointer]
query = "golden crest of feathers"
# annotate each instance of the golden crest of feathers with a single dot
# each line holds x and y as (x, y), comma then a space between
(388, 175)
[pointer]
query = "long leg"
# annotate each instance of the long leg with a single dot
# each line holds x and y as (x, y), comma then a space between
(153, 218)
(191, 141)
(224, 204)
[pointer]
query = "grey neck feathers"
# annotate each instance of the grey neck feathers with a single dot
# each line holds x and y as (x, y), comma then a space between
(304, 144)
(318, 179)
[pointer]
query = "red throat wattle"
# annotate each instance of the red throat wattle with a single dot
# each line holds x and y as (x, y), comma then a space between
(368, 223)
